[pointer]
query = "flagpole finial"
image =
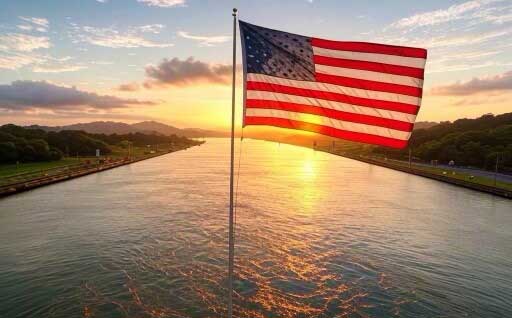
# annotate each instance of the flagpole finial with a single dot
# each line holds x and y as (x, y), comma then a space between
(235, 10)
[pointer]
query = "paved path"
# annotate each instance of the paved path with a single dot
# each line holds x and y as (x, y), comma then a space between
(476, 172)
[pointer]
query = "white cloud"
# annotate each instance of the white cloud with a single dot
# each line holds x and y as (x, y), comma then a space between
(205, 40)
(454, 12)
(40, 24)
(25, 27)
(163, 3)
(23, 42)
(151, 28)
(109, 37)
(57, 68)
(39, 21)
(15, 54)
(474, 12)
(13, 61)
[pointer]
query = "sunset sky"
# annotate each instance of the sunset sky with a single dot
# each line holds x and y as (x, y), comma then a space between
(169, 60)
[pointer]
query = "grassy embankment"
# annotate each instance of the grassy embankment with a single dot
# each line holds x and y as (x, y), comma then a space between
(460, 175)
(25, 171)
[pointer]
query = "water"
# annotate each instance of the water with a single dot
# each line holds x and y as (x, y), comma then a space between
(317, 236)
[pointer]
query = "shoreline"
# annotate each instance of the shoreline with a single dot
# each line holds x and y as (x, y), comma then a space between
(422, 173)
(19, 187)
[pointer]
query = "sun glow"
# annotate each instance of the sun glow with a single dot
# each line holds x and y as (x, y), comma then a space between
(308, 169)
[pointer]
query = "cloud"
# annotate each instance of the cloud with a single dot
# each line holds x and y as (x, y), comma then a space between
(110, 37)
(454, 12)
(128, 87)
(502, 82)
(205, 40)
(38, 21)
(18, 50)
(473, 12)
(40, 24)
(25, 27)
(42, 63)
(163, 3)
(58, 68)
(178, 72)
(13, 61)
(472, 101)
(466, 40)
(151, 28)
(23, 42)
(28, 95)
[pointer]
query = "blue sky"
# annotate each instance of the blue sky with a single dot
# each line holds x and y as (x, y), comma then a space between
(104, 48)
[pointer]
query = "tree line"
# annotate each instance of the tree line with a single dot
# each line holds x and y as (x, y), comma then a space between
(468, 142)
(19, 144)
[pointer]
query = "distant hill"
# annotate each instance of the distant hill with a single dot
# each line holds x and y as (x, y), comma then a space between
(424, 124)
(147, 127)
(156, 127)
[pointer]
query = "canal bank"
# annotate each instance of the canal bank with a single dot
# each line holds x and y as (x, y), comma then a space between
(423, 173)
(74, 171)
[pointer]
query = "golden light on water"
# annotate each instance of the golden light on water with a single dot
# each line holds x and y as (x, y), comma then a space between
(308, 169)
(303, 172)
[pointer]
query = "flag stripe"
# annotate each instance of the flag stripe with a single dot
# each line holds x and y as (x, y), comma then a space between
(399, 107)
(327, 112)
(369, 75)
(369, 85)
(370, 48)
(343, 107)
(370, 66)
(371, 57)
(336, 97)
(325, 130)
(331, 88)
(329, 122)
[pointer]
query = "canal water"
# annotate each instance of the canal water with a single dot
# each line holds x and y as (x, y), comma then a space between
(317, 236)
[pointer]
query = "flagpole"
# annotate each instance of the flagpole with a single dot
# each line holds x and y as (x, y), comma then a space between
(231, 214)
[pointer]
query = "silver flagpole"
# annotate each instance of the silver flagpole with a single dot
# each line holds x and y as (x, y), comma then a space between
(231, 216)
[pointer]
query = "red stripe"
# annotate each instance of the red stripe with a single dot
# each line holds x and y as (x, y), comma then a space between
(331, 113)
(369, 85)
(370, 66)
(325, 130)
(370, 48)
(337, 97)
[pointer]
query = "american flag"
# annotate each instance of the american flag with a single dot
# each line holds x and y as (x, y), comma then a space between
(364, 92)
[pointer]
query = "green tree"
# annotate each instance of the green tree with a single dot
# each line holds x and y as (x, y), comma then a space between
(8, 152)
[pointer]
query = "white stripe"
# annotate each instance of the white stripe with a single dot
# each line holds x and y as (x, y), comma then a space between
(372, 57)
(370, 111)
(369, 75)
(356, 92)
(329, 122)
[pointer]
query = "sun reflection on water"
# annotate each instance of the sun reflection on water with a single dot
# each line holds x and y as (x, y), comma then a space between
(292, 258)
